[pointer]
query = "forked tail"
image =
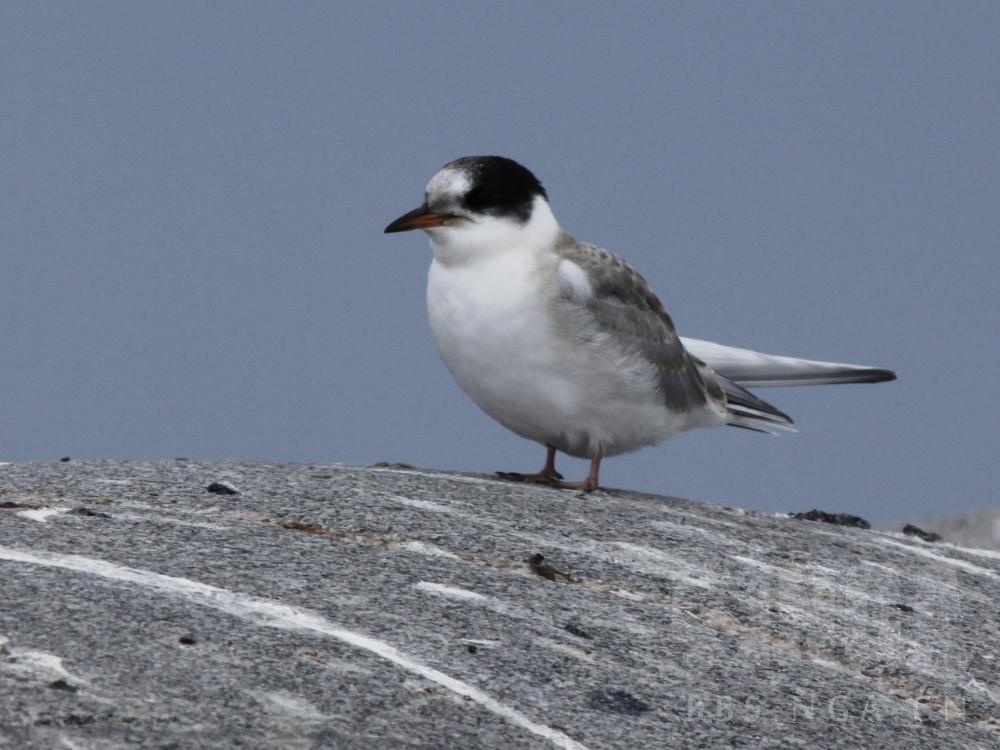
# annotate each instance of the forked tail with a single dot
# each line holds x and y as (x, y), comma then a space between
(732, 368)
(751, 368)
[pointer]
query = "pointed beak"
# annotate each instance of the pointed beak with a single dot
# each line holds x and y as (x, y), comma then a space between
(418, 218)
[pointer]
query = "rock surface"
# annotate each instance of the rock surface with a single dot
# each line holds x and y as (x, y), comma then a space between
(349, 607)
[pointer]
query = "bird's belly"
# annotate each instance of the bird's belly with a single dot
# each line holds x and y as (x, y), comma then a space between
(496, 334)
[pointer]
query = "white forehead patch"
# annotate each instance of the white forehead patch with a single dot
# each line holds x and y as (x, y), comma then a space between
(448, 182)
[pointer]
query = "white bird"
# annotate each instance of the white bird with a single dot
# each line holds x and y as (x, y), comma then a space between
(562, 342)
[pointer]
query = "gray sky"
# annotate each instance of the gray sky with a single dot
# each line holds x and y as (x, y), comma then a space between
(193, 197)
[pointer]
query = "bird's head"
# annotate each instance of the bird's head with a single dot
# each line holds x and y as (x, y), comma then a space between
(482, 205)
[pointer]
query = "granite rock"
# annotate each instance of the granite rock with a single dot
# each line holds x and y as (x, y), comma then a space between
(331, 606)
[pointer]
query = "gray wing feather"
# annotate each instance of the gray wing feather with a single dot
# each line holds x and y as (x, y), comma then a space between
(622, 306)
(745, 409)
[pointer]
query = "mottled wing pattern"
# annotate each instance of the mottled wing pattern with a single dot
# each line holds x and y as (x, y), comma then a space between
(622, 306)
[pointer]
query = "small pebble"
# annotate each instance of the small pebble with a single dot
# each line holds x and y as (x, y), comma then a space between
(927, 536)
(222, 488)
(838, 519)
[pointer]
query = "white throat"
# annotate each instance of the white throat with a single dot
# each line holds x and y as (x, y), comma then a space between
(465, 243)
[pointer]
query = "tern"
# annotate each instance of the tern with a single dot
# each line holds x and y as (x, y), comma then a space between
(563, 342)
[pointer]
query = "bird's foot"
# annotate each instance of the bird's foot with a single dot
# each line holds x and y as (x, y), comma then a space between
(550, 478)
(587, 485)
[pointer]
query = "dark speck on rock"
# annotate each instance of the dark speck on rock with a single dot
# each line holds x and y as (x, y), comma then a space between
(541, 568)
(63, 685)
(927, 536)
(472, 648)
(574, 629)
(837, 519)
(902, 607)
(187, 640)
(83, 511)
(618, 702)
(222, 488)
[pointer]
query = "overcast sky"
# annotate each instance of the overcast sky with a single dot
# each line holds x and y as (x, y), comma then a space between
(193, 195)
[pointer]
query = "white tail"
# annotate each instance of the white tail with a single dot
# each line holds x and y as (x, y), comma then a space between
(750, 368)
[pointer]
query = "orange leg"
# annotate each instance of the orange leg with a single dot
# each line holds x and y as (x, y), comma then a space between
(592, 481)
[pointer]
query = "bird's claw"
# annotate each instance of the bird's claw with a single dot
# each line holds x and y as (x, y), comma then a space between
(552, 480)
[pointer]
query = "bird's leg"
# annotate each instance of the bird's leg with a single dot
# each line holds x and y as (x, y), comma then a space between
(591, 482)
(548, 474)
(549, 470)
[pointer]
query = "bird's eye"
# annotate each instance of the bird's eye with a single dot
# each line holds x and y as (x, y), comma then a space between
(476, 199)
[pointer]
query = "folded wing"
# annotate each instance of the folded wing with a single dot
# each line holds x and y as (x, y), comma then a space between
(614, 302)
(615, 306)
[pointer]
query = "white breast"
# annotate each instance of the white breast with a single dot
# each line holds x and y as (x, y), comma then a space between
(492, 322)
(490, 327)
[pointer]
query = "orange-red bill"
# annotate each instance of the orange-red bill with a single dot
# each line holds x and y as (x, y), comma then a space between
(418, 218)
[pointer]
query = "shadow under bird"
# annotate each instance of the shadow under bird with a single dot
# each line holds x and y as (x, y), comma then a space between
(563, 342)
